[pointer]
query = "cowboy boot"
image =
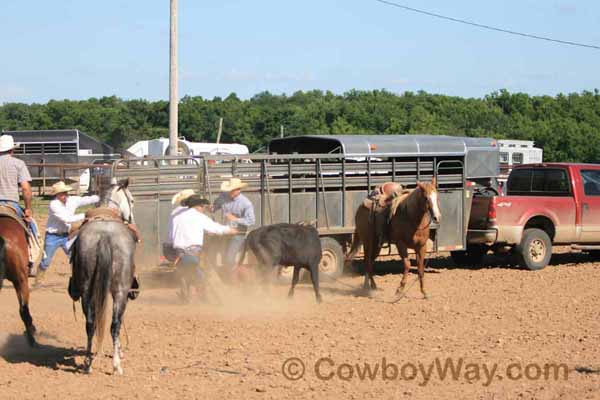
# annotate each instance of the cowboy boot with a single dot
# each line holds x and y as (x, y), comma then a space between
(73, 292)
(134, 292)
(32, 270)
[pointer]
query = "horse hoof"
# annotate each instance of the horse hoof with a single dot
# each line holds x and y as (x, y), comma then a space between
(31, 339)
(118, 370)
(88, 370)
(426, 296)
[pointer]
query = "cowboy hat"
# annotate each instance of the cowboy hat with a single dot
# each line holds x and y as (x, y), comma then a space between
(60, 187)
(232, 184)
(7, 143)
(195, 200)
(179, 197)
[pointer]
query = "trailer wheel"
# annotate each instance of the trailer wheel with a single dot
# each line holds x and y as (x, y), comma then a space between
(535, 249)
(332, 259)
(472, 256)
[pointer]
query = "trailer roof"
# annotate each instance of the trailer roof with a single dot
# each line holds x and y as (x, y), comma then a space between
(363, 145)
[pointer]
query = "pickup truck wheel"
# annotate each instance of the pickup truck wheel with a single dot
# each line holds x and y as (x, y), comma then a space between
(535, 249)
(472, 256)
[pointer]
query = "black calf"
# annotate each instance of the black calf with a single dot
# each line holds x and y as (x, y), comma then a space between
(287, 245)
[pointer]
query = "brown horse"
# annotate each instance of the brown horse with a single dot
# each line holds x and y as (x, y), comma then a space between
(370, 221)
(14, 259)
(409, 227)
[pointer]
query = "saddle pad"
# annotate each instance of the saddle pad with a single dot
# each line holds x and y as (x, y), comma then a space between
(6, 211)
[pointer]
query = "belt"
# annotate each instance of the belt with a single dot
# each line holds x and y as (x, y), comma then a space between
(190, 250)
(57, 234)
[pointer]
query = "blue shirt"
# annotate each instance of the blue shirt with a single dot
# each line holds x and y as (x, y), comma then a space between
(240, 207)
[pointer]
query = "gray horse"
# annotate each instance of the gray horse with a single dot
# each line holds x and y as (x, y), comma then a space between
(103, 262)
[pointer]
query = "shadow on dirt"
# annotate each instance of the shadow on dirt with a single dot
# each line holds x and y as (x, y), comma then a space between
(384, 267)
(14, 349)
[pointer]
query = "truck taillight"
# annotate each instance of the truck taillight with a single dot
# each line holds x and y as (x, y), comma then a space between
(492, 209)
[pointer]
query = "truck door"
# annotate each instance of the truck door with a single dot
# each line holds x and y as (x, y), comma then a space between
(590, 204)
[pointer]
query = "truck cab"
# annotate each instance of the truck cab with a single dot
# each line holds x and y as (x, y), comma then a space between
(544, 204)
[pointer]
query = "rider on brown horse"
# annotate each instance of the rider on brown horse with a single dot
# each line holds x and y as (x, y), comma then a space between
(14, 255)
(14, 175)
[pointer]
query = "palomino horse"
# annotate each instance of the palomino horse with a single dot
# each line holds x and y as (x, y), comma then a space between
(102, 259)
(14, 259)
(409, 227)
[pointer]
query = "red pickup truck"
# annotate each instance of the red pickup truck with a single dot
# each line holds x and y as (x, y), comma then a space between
(544, 204)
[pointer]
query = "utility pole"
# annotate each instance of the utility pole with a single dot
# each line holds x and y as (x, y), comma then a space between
(219, 133)
(173, 99)
(281, 131)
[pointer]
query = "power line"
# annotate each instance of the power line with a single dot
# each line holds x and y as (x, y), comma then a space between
(492, 28)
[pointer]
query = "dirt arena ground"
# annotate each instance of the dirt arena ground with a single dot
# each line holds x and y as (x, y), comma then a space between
(508, 333)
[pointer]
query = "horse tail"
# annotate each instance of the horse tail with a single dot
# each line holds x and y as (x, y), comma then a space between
(356, 241)
(99, 287)
(2, 261)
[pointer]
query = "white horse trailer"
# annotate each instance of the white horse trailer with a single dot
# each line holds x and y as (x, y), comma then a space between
(516, 152)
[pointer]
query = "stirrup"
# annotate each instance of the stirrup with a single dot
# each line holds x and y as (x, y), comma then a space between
(134, 292)
(73, 293)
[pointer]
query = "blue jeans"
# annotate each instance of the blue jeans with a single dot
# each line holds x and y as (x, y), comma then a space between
(232, 249)
(21, 214)
(51, 243)
(189, 266)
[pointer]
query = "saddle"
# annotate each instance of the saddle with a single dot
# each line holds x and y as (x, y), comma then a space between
(103, 214)
(382, 196)
(34, 248)
(379, 202)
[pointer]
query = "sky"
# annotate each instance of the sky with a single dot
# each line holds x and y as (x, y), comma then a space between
(74, 49)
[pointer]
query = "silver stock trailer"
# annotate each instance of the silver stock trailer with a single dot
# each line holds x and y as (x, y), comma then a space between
(317, 178)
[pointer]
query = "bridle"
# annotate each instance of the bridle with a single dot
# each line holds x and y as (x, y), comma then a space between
(424, 226)
(118, 205)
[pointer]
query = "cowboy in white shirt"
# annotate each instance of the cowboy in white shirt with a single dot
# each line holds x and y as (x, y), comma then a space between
(61, 214)
(186, 233)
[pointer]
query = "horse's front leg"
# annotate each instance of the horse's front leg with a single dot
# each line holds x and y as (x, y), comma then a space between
(22, 289)
(421, 253)
(403, 250)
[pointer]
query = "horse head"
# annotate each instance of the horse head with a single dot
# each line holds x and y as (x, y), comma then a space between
(118, 196)
(430, 196)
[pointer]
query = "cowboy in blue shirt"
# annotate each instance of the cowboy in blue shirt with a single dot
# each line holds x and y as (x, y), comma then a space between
(238, 213)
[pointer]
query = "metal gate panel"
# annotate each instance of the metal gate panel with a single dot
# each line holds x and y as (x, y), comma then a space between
(450, 234)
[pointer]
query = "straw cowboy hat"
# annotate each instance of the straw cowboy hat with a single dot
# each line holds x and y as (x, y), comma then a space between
(232, 184)
(60, 187)
(7, 143)
(179, 197)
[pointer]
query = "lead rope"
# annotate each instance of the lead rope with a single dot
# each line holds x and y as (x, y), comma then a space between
(74, 311)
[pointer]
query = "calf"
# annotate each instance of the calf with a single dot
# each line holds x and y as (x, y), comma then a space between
(287, 245)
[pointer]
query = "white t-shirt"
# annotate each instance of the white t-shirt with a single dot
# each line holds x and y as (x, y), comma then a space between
(61, 215)
(187, 227)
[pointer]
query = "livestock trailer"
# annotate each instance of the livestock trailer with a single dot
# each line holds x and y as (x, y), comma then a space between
(319, 178)
(61, 154)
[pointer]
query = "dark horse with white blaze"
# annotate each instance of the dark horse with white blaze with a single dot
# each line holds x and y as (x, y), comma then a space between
(407, 218)
(103, 264)
(14, 266)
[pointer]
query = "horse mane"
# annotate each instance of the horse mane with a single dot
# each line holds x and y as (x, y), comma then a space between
(400, 199)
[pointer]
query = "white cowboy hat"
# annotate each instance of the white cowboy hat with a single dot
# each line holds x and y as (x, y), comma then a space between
(179, 197)
(60, 187)
(7, 143)
(232, 184)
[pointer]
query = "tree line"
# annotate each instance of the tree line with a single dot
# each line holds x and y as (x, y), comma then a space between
(567, 127)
